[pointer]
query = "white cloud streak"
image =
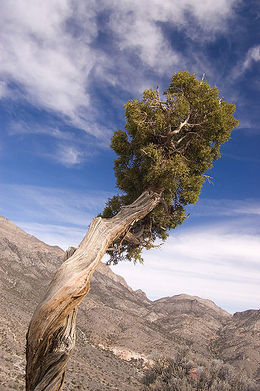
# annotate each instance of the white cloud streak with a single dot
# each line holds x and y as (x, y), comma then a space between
(23, 128)
(54, 206)
(53, 234)
(219, 261)
(69, 155)
(3, 90)
(252, 56)
(210, 263)
(137, 25)
(207, 262)
(38, 54)
(49, 50)
(226, 207)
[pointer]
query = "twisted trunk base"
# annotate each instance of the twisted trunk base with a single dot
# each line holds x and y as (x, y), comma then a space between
(51, 333)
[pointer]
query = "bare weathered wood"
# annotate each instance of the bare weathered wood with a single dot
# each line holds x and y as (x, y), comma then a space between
(51, 333)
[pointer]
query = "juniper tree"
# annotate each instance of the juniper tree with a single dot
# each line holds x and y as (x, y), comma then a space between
(168, 144)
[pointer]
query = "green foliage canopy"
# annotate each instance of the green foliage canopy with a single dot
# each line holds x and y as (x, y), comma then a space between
(167, 146)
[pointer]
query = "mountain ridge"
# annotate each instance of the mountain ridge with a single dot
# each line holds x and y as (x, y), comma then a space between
(116, 324)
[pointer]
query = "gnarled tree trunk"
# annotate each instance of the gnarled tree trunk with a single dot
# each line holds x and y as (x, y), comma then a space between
(51, 333)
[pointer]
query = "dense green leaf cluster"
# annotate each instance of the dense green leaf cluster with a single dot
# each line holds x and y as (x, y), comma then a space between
(167, 146)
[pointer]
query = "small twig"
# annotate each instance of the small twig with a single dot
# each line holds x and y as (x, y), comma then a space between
(209, 179)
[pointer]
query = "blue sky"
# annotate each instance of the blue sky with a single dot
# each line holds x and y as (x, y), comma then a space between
(66, 70)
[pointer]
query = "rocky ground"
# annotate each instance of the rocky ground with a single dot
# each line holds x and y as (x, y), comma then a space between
(117, 327)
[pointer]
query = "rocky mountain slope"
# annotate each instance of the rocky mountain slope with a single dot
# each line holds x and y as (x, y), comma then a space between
(117, 327)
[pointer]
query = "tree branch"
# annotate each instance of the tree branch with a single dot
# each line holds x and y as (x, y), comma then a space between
(177, 130)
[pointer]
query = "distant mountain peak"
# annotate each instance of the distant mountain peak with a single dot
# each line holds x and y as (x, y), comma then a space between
(116, 317)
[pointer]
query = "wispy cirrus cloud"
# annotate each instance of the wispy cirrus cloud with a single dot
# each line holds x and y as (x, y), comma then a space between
(69, 155)
(57, 216)
(219, 261)
(65, 149)
(138, 26)
(226, 207)
(37, 54)
(54, 234)
(48, 205)
(215, 256)
(252, 56)
(216, 259)
(54, 53)
(3, 90)
(25, 128)
(211, 262)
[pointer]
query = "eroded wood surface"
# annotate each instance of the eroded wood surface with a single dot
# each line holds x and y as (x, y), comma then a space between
(51, 333)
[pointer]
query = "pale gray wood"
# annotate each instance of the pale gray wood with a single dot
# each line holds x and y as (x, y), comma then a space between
(51, 333)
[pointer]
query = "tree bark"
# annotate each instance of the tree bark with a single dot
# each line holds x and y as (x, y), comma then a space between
(51, 333)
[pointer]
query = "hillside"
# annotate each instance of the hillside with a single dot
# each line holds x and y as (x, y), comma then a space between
(115, 323)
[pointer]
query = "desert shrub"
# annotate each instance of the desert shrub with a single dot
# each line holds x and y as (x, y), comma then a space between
(184, 374)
